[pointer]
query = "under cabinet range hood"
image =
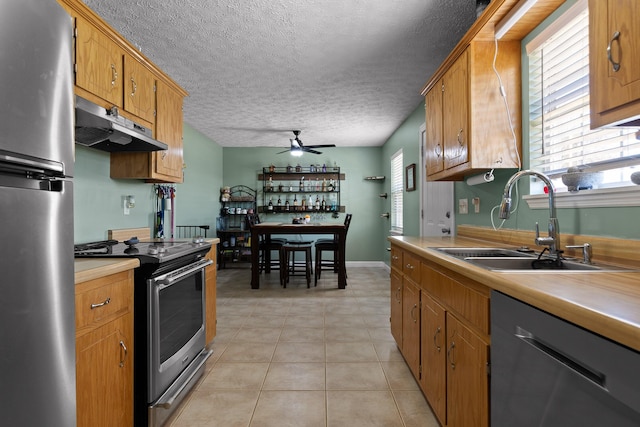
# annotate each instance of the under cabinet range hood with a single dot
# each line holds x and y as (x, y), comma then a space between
(105, 129)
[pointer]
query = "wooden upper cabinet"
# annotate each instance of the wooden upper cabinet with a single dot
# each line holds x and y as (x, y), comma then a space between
(614, 62)
(434, 150)
(139, 89)
(455, 107)
(468, 129)
(98, 63)
(169, 130)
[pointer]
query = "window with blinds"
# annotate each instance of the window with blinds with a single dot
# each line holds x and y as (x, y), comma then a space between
(560, 135)
(397, 183)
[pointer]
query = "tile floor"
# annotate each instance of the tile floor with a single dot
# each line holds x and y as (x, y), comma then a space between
(305, 357)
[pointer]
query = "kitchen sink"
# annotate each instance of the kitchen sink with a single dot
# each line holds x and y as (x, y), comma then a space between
(535, 264)
(483, 252)
(512, 260)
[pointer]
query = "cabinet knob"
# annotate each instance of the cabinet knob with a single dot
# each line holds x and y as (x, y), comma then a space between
(114, 75)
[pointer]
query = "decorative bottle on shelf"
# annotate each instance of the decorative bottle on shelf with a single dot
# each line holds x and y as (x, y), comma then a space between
(303, 206)
(298, 168)
(310, 205)
(302, 183)
(324, 167)
(317, 184)
(324, 185)
(279, 203)
(270, 207)
(286, 204)
(295, 202)
(270, 185)
(317, 203)
(324, 204)
(289, 168)
(331, 185)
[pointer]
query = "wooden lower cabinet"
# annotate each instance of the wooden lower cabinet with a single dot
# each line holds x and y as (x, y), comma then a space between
(467, 376)
(210, 296)
(104, 351)
(396, 307)
(433, 346)
(411, 325)
(443, 334)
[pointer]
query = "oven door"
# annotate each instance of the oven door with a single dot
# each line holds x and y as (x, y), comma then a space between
(176, 324)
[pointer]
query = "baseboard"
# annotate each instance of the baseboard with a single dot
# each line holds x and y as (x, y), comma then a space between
(367, 264)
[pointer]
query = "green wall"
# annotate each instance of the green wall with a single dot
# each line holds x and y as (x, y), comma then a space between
(98, 199)
(360, 197)
(613, 222)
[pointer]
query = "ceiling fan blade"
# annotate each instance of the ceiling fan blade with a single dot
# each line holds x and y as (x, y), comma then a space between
(321, 146)
(308, 150)
(285, 151)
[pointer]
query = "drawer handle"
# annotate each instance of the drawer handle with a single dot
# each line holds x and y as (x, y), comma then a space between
(395, 257)
(123, 353)
(134, 87)
(435, 337)
(450, 355)
(616, 65)
(410, 267)
(101, 304)
(398, 294)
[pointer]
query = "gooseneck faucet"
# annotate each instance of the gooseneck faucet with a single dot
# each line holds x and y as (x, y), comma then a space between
(552, 240)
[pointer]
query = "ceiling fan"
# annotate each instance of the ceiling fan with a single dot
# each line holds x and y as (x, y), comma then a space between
(297, 148)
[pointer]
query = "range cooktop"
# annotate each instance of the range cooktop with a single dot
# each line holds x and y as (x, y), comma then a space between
(150, 251)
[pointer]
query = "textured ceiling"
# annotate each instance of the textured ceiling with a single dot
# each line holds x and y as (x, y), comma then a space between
(345, 72)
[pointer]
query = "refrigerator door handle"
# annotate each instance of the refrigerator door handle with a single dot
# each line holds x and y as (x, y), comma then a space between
(32, 164)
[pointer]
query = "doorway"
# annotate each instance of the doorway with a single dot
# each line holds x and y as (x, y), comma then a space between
(436, 200)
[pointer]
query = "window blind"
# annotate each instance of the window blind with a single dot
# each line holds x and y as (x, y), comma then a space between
(397, 183)
(560, 134)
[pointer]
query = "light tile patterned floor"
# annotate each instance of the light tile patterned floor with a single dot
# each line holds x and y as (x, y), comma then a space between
(305, 357)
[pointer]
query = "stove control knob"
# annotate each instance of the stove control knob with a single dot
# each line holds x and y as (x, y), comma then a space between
(153, 250)
(162, 250)
(197, 239)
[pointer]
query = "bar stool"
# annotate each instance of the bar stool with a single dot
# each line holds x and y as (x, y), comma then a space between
(329, 245)
(288, 264)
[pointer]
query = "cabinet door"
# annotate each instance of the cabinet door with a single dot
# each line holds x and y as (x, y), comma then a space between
(99, 63)
(139, 90)
(611, 88)
(434, 151)
(455, 103)
(169, 130)
(467, 378)
(396, 307)
(433, 379)
(104, 375)
(411, 325)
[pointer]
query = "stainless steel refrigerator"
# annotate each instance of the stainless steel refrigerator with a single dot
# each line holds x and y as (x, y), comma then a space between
(37, 326)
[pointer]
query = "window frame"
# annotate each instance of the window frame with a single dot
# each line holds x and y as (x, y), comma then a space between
(396, 193)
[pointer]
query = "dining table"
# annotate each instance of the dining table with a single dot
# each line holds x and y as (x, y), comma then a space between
(265, 230)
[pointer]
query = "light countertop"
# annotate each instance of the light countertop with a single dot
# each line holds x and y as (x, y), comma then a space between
(606, 303)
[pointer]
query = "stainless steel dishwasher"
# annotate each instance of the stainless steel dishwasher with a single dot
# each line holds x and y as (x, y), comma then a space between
(546, 371)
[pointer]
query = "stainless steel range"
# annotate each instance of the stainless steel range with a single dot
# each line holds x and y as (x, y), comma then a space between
(169, 319)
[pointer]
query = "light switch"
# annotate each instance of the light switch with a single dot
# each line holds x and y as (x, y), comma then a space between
(463, 206)
(476, 204)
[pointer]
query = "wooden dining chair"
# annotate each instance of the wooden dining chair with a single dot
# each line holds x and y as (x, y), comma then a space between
(264, 247)
(329, 245)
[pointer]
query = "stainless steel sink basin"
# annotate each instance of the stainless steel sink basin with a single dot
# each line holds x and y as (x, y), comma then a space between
(511, 260)
(483, 252)
(535, 264)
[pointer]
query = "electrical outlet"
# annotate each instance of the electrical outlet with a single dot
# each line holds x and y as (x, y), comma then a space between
(476, 204)
(463, 206)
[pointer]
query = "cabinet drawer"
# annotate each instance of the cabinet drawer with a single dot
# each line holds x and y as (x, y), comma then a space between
(466, 302)
(102, 300)
(396, 258)
(411, 267)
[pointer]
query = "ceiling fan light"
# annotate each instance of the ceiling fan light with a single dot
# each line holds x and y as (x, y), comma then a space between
(296, 152)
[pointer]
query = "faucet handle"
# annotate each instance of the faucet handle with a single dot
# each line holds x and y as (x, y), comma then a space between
(587, 252)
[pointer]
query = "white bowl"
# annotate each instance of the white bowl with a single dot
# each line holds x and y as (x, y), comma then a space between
(581, 180)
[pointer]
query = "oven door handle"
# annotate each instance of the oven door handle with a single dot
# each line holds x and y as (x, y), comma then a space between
(171, 278)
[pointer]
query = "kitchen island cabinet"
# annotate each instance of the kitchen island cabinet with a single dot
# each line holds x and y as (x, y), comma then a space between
(614, 62)
(104, 342)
